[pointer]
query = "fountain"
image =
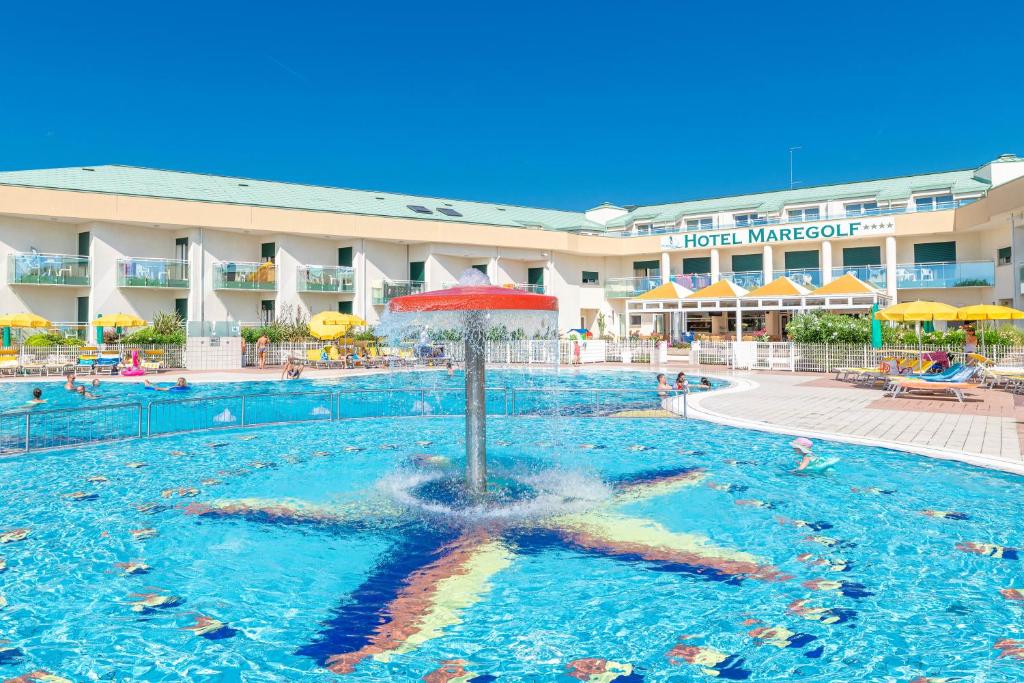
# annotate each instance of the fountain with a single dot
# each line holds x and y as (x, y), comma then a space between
(474, 308)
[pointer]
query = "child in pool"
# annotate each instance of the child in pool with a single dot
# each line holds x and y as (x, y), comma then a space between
(810, 462)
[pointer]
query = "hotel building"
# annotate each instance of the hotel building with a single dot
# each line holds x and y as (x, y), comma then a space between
(81, 242)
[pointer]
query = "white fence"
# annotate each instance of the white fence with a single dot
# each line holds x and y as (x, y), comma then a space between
(173, 355)
(827, 357)
(524, 352)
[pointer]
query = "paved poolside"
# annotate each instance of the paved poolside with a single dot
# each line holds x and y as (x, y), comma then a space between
(988, 430)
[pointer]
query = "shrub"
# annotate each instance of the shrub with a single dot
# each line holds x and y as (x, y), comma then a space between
(820, 327)
(51, 339)
(166, 329)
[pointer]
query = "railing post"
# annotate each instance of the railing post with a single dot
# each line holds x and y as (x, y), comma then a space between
(28, 431)
(149, 419)
(139, 434)
(686, 402)
(243, 411)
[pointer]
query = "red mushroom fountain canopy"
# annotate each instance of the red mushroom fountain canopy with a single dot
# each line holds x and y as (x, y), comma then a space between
(473, 298)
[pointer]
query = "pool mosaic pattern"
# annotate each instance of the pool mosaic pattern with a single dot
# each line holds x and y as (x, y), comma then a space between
(273, 555)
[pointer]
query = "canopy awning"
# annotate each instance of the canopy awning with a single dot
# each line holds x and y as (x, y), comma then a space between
(669, 291)
(780, 286)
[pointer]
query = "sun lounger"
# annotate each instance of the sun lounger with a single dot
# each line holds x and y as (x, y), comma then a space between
(9, 363)
(899, 387)
(107, 363)
(32, 368)
(153, 360)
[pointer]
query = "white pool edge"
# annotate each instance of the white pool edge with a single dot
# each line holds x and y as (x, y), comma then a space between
(695, 410)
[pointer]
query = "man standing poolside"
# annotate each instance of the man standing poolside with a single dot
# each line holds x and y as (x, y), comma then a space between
(261, 351)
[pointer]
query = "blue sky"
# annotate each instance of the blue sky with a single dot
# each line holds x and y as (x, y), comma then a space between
(560, 104)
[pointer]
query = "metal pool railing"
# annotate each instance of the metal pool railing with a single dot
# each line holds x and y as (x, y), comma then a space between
(34, 430)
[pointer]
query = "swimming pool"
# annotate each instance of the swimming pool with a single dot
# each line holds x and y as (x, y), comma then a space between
(693, 552)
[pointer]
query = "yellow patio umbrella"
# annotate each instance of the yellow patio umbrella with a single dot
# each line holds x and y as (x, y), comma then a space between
(9, 320)
(331, 325)
(918, 312)
(117, 321)
(982, 312)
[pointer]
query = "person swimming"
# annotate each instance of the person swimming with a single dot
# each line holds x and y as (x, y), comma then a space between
(37, 397)
(181, 383)
(95, 382)
(681, 381)
(69, 381)
(705, 382)
(810, 462)
(663, 388)
(80, 390)
(292, 369)
(451, 370)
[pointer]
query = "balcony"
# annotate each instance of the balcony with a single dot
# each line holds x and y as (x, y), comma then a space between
(692, 281)
(152, 273)
(747, 279)
(807, 277)
(873, 275)
(335, 279)
(629, 287)
(66, 270)
(945, 275)
(246, 276)
(387, 290)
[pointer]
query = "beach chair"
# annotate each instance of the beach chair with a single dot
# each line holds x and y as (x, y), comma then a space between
(55, 365)
(107, 362)
(900, 387)
(32, 367)
(316, 358)
(9, 362)
(851, 374)
(153, 360)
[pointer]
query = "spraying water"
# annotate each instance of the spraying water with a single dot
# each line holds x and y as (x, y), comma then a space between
(472, 312)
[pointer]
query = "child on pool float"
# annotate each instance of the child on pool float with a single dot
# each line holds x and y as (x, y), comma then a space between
(180, 385)
(811, 463)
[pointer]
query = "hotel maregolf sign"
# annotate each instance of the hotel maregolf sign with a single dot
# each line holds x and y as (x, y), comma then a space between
(780, 234)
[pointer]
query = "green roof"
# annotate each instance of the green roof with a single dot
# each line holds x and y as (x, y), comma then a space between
(148, 182)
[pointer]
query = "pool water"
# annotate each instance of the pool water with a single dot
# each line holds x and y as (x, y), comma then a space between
(685, 557)
(16, 396)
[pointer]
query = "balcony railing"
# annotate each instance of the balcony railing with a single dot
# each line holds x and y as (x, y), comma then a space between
(245, 275)
(747, 279)
(629, 287)
(325, 279)
(808, 277)
(645, 230)
(152, 273)
(946, 275)
(387, 290)
(873, 275)
(66, 270)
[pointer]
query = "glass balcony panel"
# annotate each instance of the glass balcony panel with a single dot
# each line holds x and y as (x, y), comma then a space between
(873, 275)
(945, 275)
(67, 270)
(339, 279)
(245, 276)
(747, 279)
(629, 287)
(152, 272)
(807, 277)
(692, 281)
(389, 289)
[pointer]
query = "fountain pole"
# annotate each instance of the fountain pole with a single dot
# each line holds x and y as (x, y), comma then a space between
(476, 404)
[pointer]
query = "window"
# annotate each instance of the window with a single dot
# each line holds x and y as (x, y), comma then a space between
(482, 267)
(535, 276)
(418, 271)
(861, 208)
(742, 263)
(448, 212)
(268, 250)
(642, 229)
(934, 203)
(345, 307)
(634, 320)
(700, 223)
(799, 215)
(800, 260)
(418, 208)
(83, 243)
(698, 265)
(1004, 256)
(742, 220)
(181, 249)
(935, 252)
(181, 308)
(345, 256)
(861, 256)
(646, 268)
(589, 277)
(267, 311)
